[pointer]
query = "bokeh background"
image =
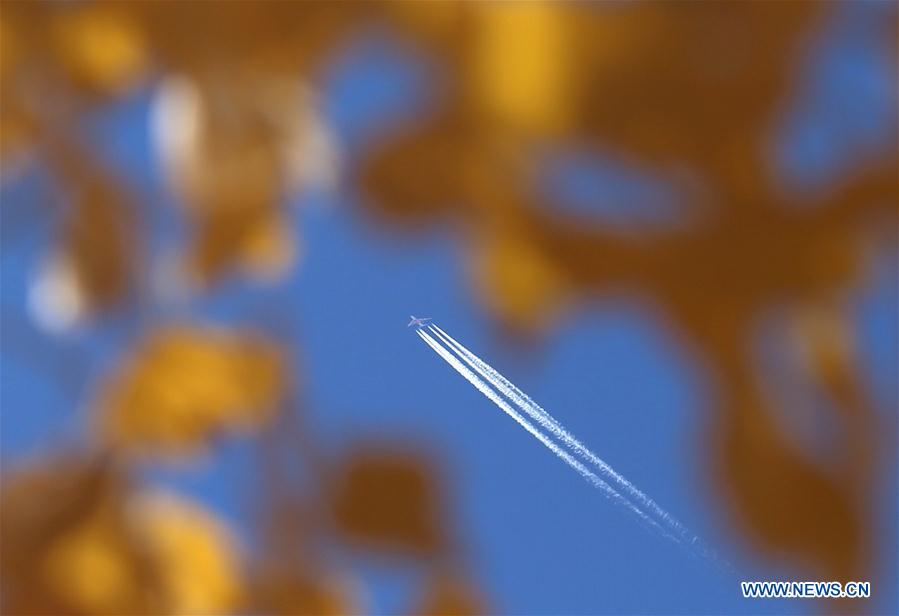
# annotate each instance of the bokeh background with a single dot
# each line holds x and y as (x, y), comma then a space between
(673, 224)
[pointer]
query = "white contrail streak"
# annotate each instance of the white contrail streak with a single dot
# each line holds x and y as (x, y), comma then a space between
(538, 414)
(485, 389)
(634, 499)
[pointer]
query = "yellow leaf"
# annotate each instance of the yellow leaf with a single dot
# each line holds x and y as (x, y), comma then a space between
(522, 64)
(195, 554)
(517, 282)
(101, 46)
(182, 386)
(68, 545)
(92, 567)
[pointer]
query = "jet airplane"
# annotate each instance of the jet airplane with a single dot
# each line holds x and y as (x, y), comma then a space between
(418, 322)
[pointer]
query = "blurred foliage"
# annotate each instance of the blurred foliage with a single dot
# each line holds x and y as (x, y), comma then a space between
(80, 538)
(695, 86)
(185, 385)
(386, 499)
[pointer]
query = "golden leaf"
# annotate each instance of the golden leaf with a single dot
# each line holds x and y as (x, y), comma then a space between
(101, 46)
(195, 554)
(91, 568)
(530, 94)
(78, 538)
(517, 282)
(182, 386)
(68, 545)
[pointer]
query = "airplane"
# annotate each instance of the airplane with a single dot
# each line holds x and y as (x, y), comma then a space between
(418, 322)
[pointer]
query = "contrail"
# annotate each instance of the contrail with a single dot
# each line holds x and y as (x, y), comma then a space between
(538, 414)
(634, 499)
(485, 389)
